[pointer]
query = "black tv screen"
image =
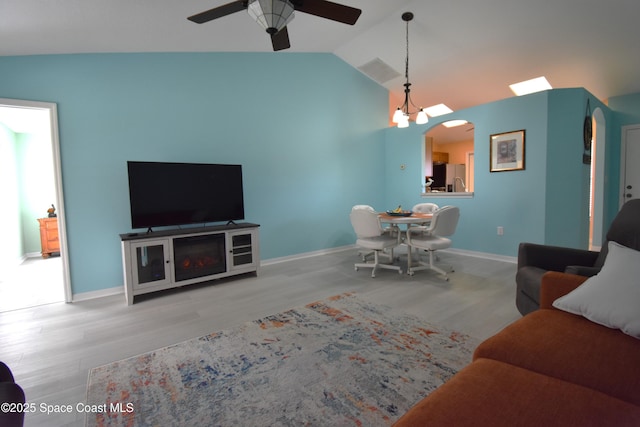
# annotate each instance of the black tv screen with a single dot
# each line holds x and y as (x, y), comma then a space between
(164, 194)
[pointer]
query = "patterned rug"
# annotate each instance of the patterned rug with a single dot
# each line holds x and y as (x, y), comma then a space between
(337, 362)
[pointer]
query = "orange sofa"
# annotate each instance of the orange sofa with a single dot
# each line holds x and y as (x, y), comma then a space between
(550, 368)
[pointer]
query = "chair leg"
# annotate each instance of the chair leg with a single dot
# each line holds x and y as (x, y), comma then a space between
(377, 264)
(430, 266)
(376, 261)
(438, 269)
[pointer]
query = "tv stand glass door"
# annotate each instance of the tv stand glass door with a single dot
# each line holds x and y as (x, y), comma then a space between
(152, 265)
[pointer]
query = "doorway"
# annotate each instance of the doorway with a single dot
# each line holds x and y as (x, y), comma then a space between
(32, 182)
(629, 171)
(596, 193)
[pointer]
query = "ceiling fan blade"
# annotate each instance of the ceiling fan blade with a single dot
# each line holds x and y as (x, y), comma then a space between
(219, 12)
(280, 40)
(328, 10)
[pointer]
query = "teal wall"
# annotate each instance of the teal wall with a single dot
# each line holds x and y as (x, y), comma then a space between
(628, 106)
(12, 247)
(307, 129)
(547, 202)
(567, 179)
(36, 186)
(27, 190)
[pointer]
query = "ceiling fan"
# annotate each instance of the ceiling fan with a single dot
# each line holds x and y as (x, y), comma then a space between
(274, 15)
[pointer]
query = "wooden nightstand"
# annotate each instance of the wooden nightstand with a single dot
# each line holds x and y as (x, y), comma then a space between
(49, 236)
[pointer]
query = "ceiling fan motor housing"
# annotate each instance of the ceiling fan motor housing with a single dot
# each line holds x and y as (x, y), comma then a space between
(272, 15)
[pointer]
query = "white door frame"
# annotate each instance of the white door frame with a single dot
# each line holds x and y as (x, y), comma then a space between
(470, 171)
(597, 214)
(623, 161)
(52, 110)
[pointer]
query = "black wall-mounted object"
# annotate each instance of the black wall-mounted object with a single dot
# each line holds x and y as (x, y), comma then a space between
(587, 135)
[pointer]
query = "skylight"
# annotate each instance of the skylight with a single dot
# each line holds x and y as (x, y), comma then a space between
(530, 86)
(438, 110)
(454, 123)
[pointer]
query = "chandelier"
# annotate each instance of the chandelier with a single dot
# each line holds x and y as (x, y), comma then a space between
(272, 15)
(402, 114)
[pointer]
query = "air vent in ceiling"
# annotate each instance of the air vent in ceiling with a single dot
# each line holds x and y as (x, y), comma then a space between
(379, 71)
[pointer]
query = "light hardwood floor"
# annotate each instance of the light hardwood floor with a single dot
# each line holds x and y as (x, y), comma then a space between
(37, 281)
(52, 348)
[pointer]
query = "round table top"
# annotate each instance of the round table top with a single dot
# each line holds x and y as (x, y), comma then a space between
(414, 218)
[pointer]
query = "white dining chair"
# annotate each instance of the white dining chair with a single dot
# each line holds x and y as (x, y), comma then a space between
(433, 237)
(425, 208)
(370, 235)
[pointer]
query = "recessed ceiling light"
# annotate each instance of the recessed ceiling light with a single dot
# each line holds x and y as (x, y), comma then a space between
(438, 110)
(530, 86)
(454, 123)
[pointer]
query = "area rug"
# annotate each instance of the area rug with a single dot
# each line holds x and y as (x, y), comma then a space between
(337, 362)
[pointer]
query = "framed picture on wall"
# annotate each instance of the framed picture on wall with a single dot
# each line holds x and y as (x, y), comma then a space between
(507, 151)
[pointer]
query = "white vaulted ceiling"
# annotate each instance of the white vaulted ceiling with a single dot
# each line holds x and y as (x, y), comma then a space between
(462, 53)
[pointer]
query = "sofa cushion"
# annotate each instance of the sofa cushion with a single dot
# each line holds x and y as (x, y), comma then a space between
(570, 348)
(492, 393)
(612, 297)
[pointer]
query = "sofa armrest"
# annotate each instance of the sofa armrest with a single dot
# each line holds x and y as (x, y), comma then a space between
(553, 258)
(5, 373)
(582, 270)
(10, 392)
(555, 284)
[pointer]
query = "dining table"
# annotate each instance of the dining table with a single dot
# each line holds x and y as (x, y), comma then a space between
(415, 218)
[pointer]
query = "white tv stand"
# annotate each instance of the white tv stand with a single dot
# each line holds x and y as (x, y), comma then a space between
(159, 260)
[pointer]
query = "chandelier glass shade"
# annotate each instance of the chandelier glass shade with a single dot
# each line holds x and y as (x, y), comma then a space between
(272, 15)
(402, 114)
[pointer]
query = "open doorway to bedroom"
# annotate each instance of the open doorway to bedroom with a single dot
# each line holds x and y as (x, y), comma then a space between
(33, 256)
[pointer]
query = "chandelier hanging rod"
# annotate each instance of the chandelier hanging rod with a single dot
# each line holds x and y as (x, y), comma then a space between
(402, 114)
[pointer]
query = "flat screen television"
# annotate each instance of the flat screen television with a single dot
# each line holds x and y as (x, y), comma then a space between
(165, 194)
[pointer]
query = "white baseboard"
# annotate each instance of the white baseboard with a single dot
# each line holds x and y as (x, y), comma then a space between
(84, 296)
(483, 255)
(33, 255)
(306, 255)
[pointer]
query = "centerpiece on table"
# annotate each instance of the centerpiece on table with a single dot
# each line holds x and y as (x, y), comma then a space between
(399, 212)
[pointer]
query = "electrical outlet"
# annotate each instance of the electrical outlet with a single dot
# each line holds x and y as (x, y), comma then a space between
(500, 230)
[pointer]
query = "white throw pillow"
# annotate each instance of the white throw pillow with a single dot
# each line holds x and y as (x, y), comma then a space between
(612, 297)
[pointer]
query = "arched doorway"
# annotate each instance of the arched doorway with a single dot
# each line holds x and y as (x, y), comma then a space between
(596, 200)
